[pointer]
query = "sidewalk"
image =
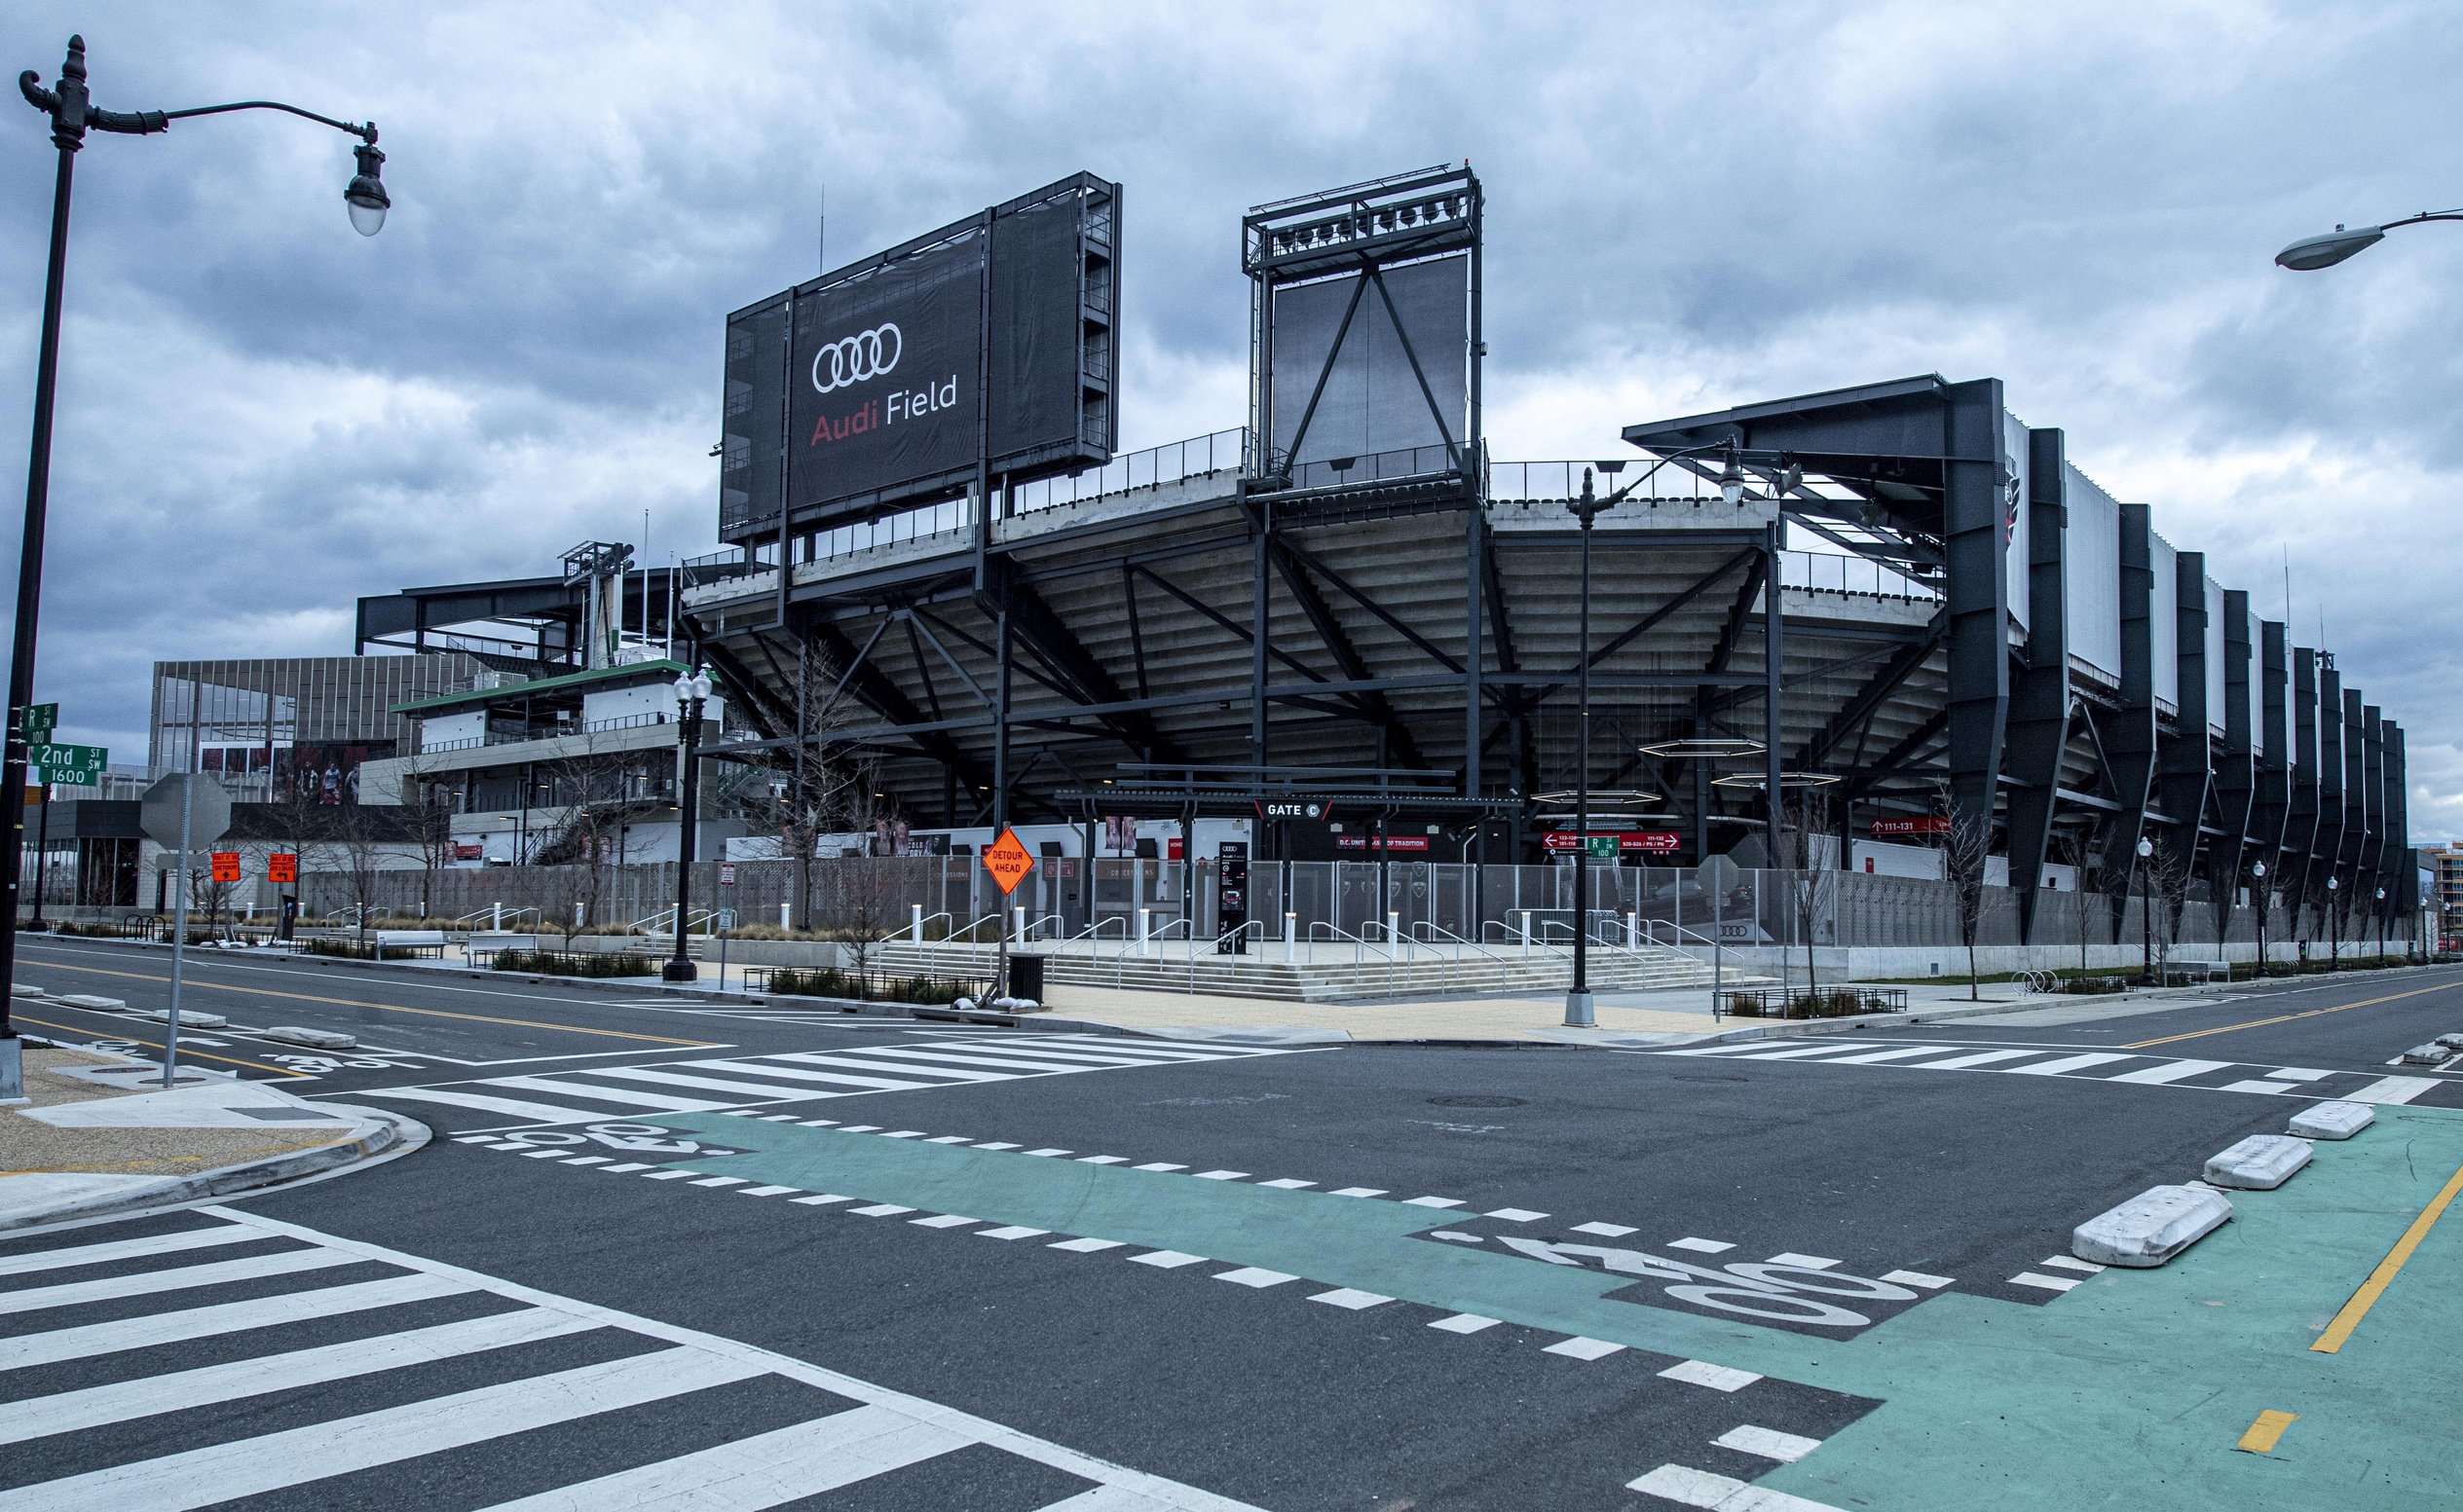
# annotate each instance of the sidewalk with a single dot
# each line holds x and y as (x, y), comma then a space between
(1653, 1017)
(100, 1136)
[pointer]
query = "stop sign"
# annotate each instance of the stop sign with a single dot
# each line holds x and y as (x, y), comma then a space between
(209, 817)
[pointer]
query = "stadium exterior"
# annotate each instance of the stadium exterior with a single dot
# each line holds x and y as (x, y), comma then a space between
(1987, 630)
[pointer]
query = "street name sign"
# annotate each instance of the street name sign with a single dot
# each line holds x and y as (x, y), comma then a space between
(1008, 860)
(75, 766)
(40, 719)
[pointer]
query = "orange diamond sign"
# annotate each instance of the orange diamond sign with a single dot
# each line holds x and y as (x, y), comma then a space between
(1008, 862)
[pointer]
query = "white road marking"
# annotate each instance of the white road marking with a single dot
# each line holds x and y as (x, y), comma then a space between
(2170, 1071)
(1286, 1183)
(2071, 1263)
(1979, 1058)
(1358, 1192)
(96, 1407)
(2067, 1064)
(943, 1221)
(123, 1249)
(1610, 1231)
(289, 1262)
(1253, 1276)
(1515, 1215)
(1769, 1443)
(1166, 1259)
(2050, 1283)
(1701, 1489)
(880, 1210)
(1464, 1323)
(1010, 1232)
(2390, 1089)
(1222, 1175)
(1917, 1278)
(766, 1470)
(1087, 1247)
(26, 1350)
(1433, 1202)
(1581, 1348)
(1801, 1262)
(1701, 1373)
(1350, 1299)
(1702, 1246)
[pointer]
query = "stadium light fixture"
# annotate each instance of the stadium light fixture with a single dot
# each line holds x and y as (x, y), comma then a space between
(1732, 481)
(2311, 253)
(71, 112)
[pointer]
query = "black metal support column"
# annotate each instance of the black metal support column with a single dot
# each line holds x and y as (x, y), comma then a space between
(2039, 689)
(2325, 848)
(1773, 687)
(2301, 870)
(2129, 733)
(2187, 757)
(1975, 512)
(2235, 764)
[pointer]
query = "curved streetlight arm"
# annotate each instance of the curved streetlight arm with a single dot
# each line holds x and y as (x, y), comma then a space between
(1620, 495)
(2424, 215)
(365, 133)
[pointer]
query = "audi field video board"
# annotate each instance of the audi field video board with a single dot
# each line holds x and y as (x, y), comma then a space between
(879, 385)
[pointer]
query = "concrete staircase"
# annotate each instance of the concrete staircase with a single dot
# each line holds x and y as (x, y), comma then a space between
(1266, 974)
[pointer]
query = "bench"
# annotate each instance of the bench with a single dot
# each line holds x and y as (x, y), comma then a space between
(410, 942)
(483, 945)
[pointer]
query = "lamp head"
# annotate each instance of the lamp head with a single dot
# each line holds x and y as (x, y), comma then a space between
(1732, 481)
(2311, 253)
(366, 196)
(2145, 847)
(2257, 869)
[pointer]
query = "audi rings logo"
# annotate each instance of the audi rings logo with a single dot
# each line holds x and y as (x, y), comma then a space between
(850, 360)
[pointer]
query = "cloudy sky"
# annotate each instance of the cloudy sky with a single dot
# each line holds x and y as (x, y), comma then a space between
(264, 416)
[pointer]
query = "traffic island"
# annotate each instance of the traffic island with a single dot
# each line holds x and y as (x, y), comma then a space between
(100, 1136)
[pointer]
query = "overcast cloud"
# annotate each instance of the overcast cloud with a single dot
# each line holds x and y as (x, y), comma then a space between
(264, 417)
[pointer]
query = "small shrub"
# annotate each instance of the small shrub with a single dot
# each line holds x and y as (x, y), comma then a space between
(821, 981)
(557, 963)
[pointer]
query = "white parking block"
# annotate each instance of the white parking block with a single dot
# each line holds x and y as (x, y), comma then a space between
(2152, 1226)
(2333, 1120)
(2262, 1162)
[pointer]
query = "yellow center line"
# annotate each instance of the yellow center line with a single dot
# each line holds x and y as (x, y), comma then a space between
(2283, 1018)
(2262, 1434)
(391, 1007)
(185, 1053)
(2349, 1320)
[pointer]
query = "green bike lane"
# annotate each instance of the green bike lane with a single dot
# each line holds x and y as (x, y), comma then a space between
(2132, 1388)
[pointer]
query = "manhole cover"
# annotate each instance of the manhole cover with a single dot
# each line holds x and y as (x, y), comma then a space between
(1478, 1102)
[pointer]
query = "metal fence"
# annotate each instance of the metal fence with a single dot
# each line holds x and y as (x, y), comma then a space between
(1436, 905)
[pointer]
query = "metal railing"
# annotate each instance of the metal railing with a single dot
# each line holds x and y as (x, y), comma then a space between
(1220, 451)
(1552, 482)
(1833, 571)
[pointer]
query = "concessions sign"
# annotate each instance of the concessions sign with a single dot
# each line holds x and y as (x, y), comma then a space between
(1648, 842)
(1927, 824)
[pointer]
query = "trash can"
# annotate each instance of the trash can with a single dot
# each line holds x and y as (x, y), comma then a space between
(1025, 977)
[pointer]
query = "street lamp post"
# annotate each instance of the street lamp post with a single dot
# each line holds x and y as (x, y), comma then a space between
(2257, 869)
(72, 115)
(1586, 508)
(2146, 912)
(2381, 926)
(2335, 927)
(692, 689)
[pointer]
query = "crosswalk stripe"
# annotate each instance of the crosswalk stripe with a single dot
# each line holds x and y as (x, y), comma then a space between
(1800, 1051)
(571, 1086)
(1110, 1045)
(952, 1060)
(1876, 1058)
(766, 1470)
(1979, 1058)
(100, 1406)
(2393, 1089)
(870, 1060)
(799, 1073)
(86, 1340)
(2066, 1064)
(860, 1063)
(1080, 1059)
(249, 1467)
(123, 1249)
(1107, 1498)
(2169, 1071)
(769, 1090)
(511, 1108)
(283, 1263)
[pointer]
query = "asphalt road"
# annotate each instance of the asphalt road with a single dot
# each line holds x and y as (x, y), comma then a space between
(1001, 1269)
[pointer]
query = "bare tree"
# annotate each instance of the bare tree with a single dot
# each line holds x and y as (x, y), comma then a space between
(819, 786)
(2168, 881)
(2075, 847)
(591, 785)
(430, 799)
(1814, 870)
(359, 839)
(1964, 848)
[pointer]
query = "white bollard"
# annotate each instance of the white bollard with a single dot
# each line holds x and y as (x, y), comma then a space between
(1291, 930)
(497, 923)
(1526, 931)
(786, 916)
(1020, 915)
(1394, 930)
(914, 923)
(1145, 943)
(1633, 930)
(576, 915)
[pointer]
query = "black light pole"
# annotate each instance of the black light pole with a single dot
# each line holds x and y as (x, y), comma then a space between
(72, 115)
(2334, 926)
(1577, 1005)
(1588, 506)
(691, 689)
(2257, 869)
(2381, 926)
(2146, 912)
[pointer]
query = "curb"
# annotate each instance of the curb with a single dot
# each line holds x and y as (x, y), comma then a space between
(392, 1134)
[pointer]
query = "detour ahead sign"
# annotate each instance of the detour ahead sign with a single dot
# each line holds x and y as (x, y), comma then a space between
(1008, 862)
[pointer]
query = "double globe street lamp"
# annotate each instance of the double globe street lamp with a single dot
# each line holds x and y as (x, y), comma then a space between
(692, 692)
(72, 114)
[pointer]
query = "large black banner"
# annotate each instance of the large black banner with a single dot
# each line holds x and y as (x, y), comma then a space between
(885, 376)
(872, 402)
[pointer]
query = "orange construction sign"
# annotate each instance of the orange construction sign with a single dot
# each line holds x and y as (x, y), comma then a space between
(282, 867)
(226, 866)
(1008, 862)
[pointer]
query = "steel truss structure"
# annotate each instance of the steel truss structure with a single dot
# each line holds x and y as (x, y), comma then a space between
(1966, 639)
